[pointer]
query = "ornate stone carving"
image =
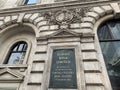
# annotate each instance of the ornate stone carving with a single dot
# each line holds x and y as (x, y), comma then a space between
(65, 16)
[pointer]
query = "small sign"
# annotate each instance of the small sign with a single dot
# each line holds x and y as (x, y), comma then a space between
(63, 69)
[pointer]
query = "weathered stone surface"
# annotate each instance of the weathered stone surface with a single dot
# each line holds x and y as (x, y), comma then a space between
(44, 33)
(7, 19)
(99, 10)
(90, 72)
(93, 14)
(34, 16)
(15, 17)
(1, 23)
(69, 39)
(108, 8)
(82, 30)
(38, 20)
(10, 4)
(87, 46)
(92, 66)
(27, 16)
(52, 27)
(87, 40)
(35, 78)
(36, 87)
(116, 7)
(75, 25)
(88, 19)
(37, 66)
(47, 1)
(41, 48)
(42, 28)
(95, 88)
(41, 23)
(89, 55)
(86, 25)
(2, 2)
(93, 78)
(40, 57)
(1, 18)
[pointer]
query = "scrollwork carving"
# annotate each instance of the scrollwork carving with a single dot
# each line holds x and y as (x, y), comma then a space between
(65, 16)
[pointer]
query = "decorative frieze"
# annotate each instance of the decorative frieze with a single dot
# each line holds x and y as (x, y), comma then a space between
(65, 17)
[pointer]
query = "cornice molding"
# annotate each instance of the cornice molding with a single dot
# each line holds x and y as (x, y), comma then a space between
(47, 7)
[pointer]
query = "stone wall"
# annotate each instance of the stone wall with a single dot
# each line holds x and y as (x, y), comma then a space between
(9, 3)
(46, 30)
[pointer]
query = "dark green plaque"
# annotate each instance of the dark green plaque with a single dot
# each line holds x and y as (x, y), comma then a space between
(63, 69)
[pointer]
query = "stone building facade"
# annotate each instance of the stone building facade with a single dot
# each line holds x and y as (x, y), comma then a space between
(48, 27)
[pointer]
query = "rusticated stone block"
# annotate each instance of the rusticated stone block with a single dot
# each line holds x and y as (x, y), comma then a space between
(93, 14)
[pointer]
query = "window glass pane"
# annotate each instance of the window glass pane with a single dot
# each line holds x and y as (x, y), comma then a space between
(104, 33)
(111, 53)
(31, 1)
(25, 47)
(115, 29)
(17, 53)
(15, 49)
(20, 47)
(15, 58)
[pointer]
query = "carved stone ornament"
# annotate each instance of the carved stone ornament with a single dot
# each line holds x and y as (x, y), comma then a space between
(65, 16)
(9, 75)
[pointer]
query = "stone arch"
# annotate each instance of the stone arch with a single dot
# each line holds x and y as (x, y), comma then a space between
(39, 21)
(93, 18)
(13, 34)
(94, 14)
(35, 19)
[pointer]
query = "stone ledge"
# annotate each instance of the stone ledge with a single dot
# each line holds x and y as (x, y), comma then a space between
(40, 52)
(41, 61)
(89, 50)
(11, 80)
(34, 83)
(90, 60)
(46, 7)
(36, 71)
(14, 66)
(92, 71)
(94, 84)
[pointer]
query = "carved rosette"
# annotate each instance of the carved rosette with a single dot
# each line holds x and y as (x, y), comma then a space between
(65, 17)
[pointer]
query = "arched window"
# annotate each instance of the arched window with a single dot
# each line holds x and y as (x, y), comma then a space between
(17, 53)
(109, 37)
